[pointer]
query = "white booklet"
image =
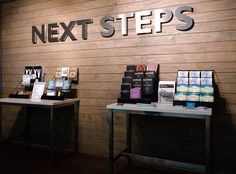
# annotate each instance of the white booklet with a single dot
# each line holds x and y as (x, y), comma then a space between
(38, 90)
(166, 91)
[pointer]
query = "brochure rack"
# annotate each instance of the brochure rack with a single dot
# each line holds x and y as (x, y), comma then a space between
(139, 84)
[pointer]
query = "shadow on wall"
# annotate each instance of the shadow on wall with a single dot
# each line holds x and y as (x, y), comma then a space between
(39, 126)
(182, 139)
(223, 136)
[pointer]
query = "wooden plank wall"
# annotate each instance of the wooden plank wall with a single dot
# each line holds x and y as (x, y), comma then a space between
(210, 44)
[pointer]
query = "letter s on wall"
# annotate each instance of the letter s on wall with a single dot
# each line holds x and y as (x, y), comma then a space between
(188, 20)
(105, 25)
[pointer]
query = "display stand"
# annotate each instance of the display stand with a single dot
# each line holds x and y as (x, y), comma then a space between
(139, 84)
(197, 104)
(18, 96)
(19, 92)
(191, 88)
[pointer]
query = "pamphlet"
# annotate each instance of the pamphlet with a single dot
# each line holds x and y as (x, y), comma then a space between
(65, 71)
(38, 90)
(166, 91)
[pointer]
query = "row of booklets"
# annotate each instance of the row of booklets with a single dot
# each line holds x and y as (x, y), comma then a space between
(33, 82)
(196, 86)
(141, 84)
(56, 89)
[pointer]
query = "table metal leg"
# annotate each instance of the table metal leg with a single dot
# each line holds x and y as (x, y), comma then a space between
(208, 144)
(0, 123)
(26, 115)
(129, 136)
(52, 117)
(111, 143)
(76, 140)
(129, 133)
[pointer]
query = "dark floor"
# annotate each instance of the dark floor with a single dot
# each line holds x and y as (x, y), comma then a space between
(15, 158)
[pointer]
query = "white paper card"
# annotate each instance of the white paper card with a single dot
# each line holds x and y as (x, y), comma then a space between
(38, 90)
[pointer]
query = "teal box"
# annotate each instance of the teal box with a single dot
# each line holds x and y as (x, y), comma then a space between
(194, 88)
(180, 96)
(191, 96)
(207, 89)
(182, 88)
(206, 97)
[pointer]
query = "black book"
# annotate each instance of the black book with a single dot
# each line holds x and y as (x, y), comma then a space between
(38, 73)
(150, 74)
(29, 70)
(131, 67)
(148, 87)
(129, 74)
(125, 86)
(125, 94)
(127, 80)
(138, 75)
(137, 83)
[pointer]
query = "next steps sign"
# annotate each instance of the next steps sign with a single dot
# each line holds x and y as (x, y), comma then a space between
(50, 33)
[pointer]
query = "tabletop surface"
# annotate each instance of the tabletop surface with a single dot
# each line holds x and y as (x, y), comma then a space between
(19, 101)
(159, 107)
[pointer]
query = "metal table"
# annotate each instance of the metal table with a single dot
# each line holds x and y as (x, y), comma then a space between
(52, 105)
(163, 110)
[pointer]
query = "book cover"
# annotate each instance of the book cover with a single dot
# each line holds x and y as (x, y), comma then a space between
(182, 81)
(73, 73)
(65, 71)
(66, 86)
(127, 80)
(194, 81)
(26, 79)
(148, 87)
(150, 74)
(58, 73)
(166, 91)
(131, 67)
(59, 83)
(125, 86)
(206, 74)
(192, 96)
(38, 72)
(129, 74)
(29, 70)
(38, 90)
(138, 75)
(141, 67)
(137, 83)
(183, 74)
(194, 74)
(206, 81)
(51, 92)
(152, 67)
(135, 93)
(52, 84)
(125, 94)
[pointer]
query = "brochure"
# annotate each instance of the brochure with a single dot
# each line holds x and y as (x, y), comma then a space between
(166, 91)
(38, 90)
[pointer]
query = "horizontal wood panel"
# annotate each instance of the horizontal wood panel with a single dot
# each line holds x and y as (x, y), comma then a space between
(131, 42)
(213, 57)
(74, 14)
